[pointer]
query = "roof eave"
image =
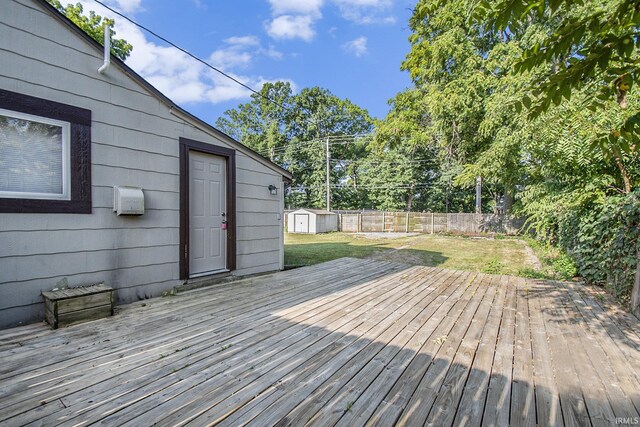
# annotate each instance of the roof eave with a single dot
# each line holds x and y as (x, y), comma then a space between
(173, 107)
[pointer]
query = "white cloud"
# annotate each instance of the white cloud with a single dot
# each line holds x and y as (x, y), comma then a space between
(358, 46)
(292, 19)
(366, 11)
(272, 52)
(230, 58)
(291, 27)
(127, 6)
(296, 7)
(182, 78)
(243, 41)
(238, 52)
(366, 3)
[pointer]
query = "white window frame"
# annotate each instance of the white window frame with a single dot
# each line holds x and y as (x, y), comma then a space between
(66, 158)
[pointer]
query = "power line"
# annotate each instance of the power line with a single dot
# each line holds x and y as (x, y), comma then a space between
(329, 140)
(367, 162)
(202, 61)
(365, 186)
(333, 140)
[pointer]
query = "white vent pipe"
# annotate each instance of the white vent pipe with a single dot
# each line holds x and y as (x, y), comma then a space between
(107, 50)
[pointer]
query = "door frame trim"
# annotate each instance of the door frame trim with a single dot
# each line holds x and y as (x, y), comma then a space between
(187, 145)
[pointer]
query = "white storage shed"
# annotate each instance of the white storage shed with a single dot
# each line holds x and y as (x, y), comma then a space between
(312, 221)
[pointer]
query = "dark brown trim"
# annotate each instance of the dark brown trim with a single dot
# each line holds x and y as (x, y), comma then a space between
(80, 150)
(184, 212)
(43, 107)
(187, 145)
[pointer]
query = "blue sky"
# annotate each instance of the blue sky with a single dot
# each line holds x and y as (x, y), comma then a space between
(351, 47)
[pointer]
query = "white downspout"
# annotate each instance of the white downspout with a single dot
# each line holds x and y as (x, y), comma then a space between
(107, 50)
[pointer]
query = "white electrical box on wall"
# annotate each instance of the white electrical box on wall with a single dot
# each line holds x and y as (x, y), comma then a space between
(128, 200)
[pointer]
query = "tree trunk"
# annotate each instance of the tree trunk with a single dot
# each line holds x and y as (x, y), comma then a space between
(635, 294)
(508, 201)
(409, 204)
(624, 174)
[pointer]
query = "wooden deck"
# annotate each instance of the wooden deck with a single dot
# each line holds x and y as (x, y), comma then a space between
(349, 343)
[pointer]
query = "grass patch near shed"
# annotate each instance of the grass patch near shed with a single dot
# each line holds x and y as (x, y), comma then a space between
(485, 254)
(308, 249)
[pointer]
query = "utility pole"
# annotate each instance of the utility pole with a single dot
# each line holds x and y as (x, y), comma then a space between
(328, 177)
(479, 195)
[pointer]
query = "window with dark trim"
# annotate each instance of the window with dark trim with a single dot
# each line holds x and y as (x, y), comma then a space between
(45, 156)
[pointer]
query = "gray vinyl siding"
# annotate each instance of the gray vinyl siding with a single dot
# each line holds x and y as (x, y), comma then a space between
(134, 142)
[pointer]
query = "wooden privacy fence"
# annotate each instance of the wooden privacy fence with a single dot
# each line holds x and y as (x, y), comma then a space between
(422, 222)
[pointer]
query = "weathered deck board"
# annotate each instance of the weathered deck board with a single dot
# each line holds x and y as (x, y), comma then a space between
(419, 406)
(573, 406)
(471, 407)
(295, 388)
(448, 396)
(349, 343)
(51, 380)
(498, 400)
(547, 400)
(259, 339)
(523, 410)
(342, 363)
(618, 372)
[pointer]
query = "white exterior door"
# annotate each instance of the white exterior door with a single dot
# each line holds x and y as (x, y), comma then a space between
(207, 213)
(301, 223)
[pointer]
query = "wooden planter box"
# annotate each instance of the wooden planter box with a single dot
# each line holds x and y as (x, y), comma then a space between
(75, 305)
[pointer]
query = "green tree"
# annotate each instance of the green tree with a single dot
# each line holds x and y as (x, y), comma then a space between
(398, 178)
(94, 26)
(464, 69)
(293, 131)
(554, 80)
(403, 167)
(461, 78)
(264, 123)
(591, 47)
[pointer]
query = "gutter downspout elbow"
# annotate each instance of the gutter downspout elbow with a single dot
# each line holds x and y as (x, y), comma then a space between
(107, 50)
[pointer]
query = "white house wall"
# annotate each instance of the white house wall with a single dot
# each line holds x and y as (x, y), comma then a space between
(134, 142)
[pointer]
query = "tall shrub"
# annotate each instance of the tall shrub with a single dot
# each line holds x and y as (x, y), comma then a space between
(604, 241)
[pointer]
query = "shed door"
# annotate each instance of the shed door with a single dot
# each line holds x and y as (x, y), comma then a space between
(301, 223)
(207, 213)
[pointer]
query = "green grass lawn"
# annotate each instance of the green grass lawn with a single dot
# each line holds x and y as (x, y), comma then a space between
(308, 249)
(499, 256)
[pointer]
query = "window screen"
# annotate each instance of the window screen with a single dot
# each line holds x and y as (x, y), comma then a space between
(45, 156)
(32, 157)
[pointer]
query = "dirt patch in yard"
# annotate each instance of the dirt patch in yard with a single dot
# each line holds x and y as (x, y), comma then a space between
(376, 236)
(406, 253)
(401, 255)
(532, 258)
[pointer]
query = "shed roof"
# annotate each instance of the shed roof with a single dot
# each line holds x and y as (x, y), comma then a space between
(173, 107)
(315, 211)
